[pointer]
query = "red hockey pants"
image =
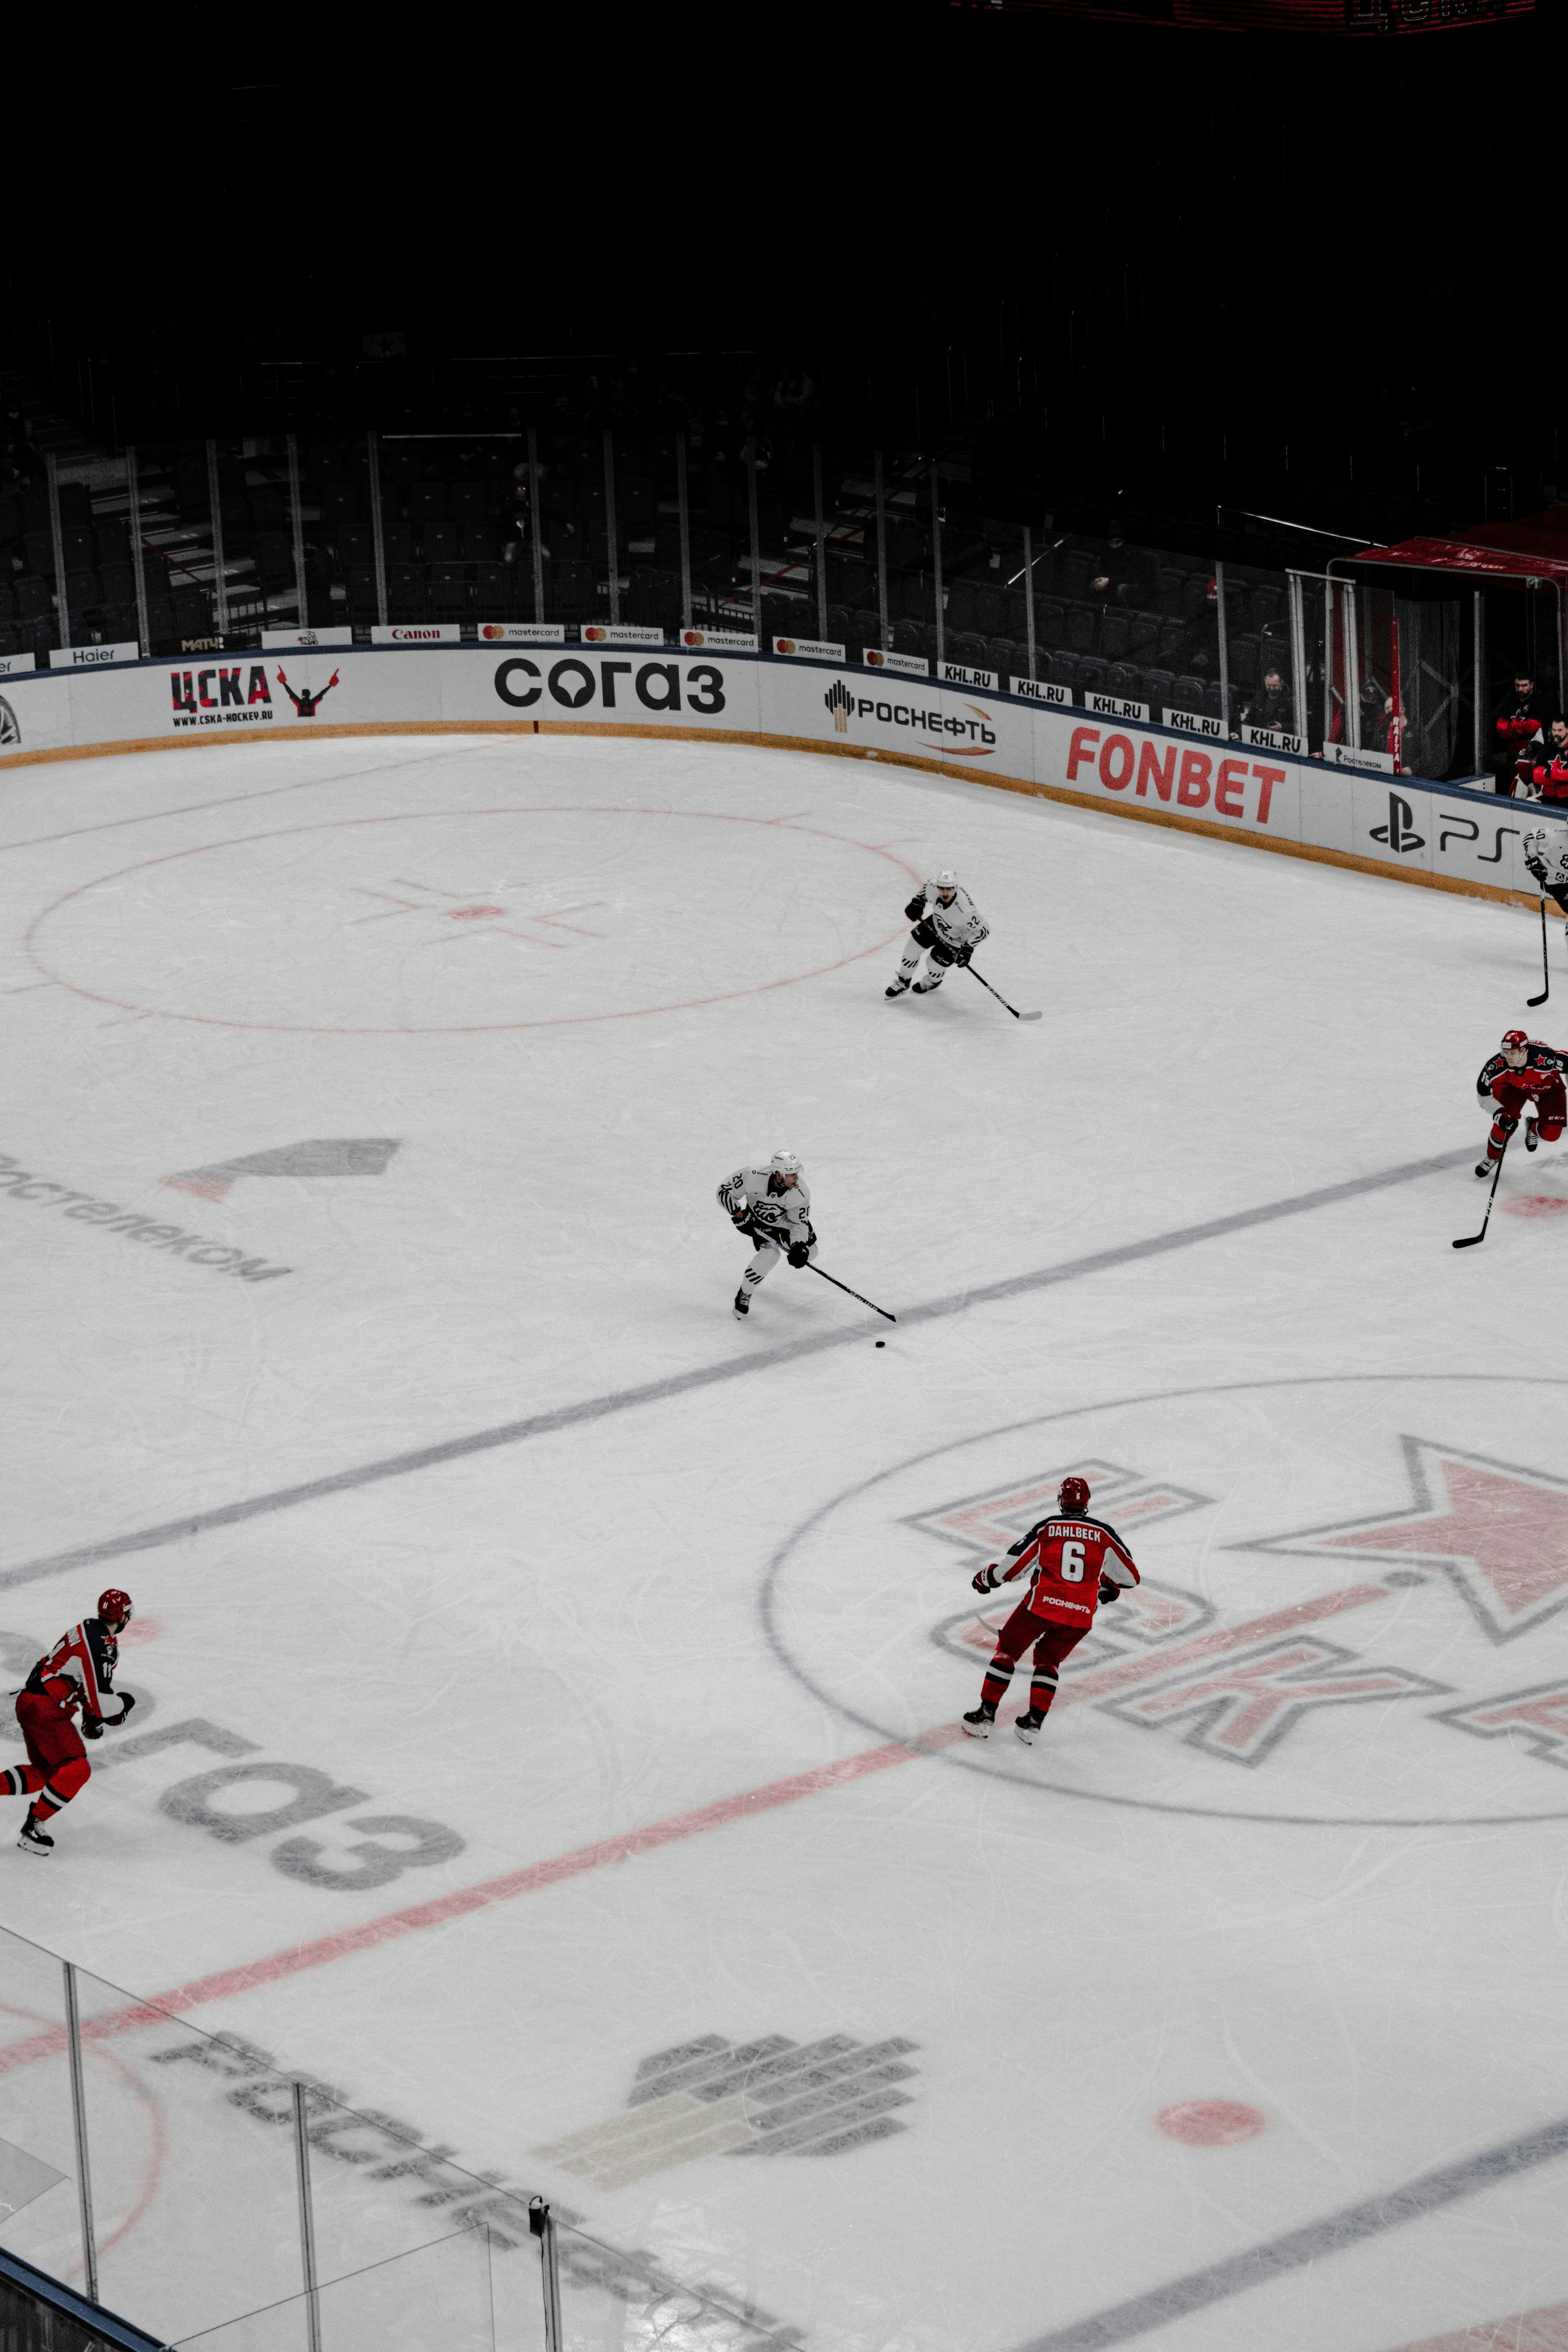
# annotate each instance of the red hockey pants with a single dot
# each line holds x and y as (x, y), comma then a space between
(56, 1764)
(1051, 1644)
(1551, 1110)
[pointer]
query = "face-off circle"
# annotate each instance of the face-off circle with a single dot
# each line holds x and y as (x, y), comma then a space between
(1355, 1608)
(451, 921)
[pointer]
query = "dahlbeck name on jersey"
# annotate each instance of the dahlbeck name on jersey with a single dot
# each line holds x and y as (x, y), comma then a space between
(1246, 791)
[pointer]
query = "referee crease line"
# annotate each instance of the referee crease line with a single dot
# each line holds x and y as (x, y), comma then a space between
(601, 1408)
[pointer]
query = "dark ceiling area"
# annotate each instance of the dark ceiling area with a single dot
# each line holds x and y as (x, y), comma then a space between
(1219, 283)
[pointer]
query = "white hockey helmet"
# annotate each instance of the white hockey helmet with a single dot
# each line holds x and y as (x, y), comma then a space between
(947, 879)
(785, 1164)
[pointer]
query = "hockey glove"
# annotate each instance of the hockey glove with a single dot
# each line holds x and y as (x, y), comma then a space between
(962, 956)
(915, 908)
(1536, 867)
(126, 1704)
(90, 1727)
(799, 1254)
(1109, 1592)
(985, 1579)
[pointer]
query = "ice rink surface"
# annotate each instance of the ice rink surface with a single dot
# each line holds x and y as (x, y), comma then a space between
(601, 1657)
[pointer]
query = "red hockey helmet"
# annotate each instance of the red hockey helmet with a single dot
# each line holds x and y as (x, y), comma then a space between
(1073, 1495)
(114, 1606)
(1513, 1037)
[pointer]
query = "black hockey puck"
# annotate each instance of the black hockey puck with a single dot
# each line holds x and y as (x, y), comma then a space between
(881, 1343)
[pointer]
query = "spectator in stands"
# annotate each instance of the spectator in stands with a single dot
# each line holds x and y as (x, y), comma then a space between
(1549, 775)
(1521, 716)
(1125, 574)
(1272, 707)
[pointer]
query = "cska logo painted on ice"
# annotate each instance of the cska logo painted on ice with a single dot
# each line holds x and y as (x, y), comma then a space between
(1495, 1532)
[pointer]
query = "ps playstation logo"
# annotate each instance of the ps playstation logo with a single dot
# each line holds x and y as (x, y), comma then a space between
(1396, 833)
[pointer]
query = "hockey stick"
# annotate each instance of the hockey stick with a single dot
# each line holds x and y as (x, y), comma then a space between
(852, 1293)
(1470, 1240)
(1545, 967)
(1002, 999)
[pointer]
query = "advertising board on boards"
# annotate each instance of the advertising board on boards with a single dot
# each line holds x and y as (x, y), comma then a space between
(93, 656)
(1248, 791)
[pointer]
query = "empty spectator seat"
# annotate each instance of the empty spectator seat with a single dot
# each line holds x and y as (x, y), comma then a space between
(1082, 622)
(469, 502)
(1142, 637)
(1194, 595)
(1115, 634)
(1072, 575)
(1243, 662)
(969, 649)
(1188, 693)
(405, 592)
(1050, 622)
(1091, 675)
(1172, 639)
(1168, 592)
(1267, 606)
(443, 543)
(491, 585)
(906, 637)
(427, 502)
(1159, 690)
(1124, 678)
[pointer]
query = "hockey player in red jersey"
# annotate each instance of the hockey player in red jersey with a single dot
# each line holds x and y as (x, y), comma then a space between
(1075, 1563)
(1524, 1070)
(77, 1674)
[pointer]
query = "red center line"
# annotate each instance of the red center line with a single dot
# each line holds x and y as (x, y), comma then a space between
(295, 1958)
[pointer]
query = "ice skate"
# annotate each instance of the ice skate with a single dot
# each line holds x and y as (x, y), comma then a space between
(900, 987)
(979, 1723)
(1027, 1726)
(33, 1840)
(1531, 1137)
(742, 1306)
(1484, 1167)
(926, 987)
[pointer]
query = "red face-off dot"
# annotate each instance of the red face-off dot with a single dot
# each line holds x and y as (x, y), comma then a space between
(1210, 2122)
(1537, 1204)
(140, 1629)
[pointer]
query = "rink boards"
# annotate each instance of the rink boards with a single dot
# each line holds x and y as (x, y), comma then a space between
(1444, 837)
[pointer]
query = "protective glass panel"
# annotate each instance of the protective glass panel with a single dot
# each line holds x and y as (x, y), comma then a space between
(194, 2178)
(612, 2302)
(38, 2207)
(442, 2292)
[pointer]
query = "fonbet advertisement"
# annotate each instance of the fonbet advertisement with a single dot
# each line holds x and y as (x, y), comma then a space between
(1246, 790)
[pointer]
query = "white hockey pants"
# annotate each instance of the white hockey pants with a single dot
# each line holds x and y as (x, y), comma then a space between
(768, 1257)
(909, 963)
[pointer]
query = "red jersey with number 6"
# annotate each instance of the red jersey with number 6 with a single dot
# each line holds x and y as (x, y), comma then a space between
(1065, 1559)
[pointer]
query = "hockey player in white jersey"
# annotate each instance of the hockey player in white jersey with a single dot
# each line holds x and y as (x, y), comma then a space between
(1546, 855)
(947, 923)
(772, 1206)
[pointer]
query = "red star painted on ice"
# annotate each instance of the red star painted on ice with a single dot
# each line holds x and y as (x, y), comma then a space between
(1498, 1530)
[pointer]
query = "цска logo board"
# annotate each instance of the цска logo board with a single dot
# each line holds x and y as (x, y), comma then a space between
(236, 694)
